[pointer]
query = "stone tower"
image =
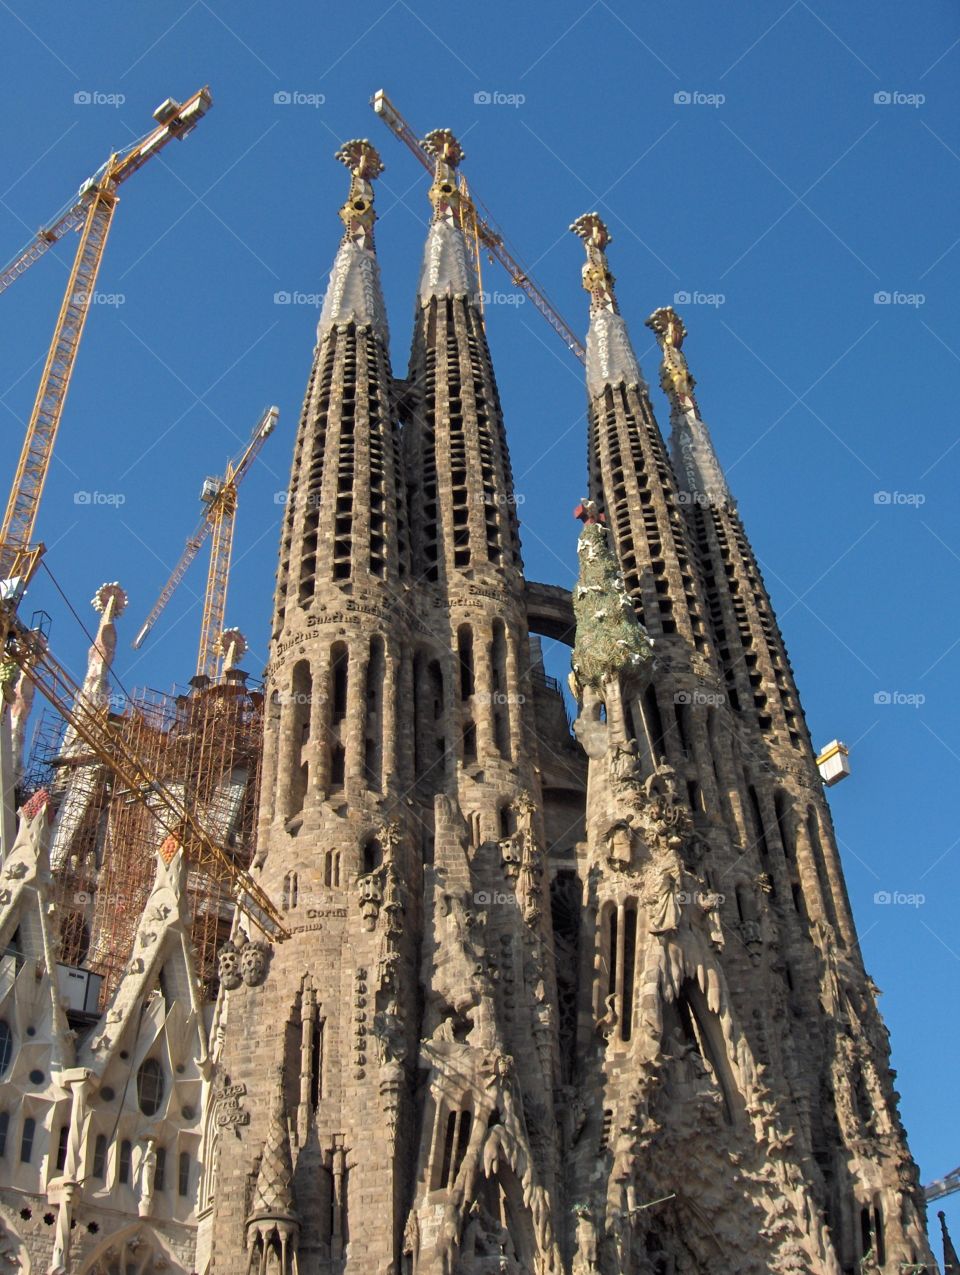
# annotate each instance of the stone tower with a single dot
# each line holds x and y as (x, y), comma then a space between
(739, 1099)
(552, 1003)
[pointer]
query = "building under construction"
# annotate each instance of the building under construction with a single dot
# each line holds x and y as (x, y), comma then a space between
(205, 745)
(475, 991)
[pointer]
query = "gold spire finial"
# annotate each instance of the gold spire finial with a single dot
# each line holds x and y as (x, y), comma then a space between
(444, 193)
(357, 214)
(597, 278)
(675, 376)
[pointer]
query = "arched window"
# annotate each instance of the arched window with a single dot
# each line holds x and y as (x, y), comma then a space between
(465, 653)
(6, 1046)
(62, 1140)
(291, 889)
(160, 1171)
(125, 1162)
(372, 855)
(26, 1139)
(455, 1143)
(759, 829)
(150, 1087)
(316, 1064)
(183, 1174)
(339, 664)
(782, 805)
(629, 960)
(99, 1169)
(654, 722)
(301, 694)
(4, 1126)
(373, 742)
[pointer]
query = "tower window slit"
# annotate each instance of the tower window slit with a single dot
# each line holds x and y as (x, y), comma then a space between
(316, 1063)
(629, 962)
(376, 673)
(124, 1163)
(301, 692)
(612, 953)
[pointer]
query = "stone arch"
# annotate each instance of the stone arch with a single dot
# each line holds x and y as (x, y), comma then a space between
(131, 1250)
(499, 1196)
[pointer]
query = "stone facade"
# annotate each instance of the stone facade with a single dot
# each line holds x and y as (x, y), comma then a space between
(551, 1002)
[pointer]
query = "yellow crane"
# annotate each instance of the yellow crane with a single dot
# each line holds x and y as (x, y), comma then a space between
(480, 230)
(220, 497)
(91, 213)
(27, 650)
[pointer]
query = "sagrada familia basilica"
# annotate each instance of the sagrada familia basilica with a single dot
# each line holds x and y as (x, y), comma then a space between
(547, 1000)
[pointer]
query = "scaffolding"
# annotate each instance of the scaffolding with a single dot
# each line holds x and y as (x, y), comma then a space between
(205, 746)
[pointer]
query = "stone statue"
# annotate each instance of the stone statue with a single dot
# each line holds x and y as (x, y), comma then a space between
(665, 908)
(585, 1258)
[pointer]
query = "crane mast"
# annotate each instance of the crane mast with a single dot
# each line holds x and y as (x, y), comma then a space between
(481, 231)
(24, 500)
(220, 495)
(93, 213)
(28, 651)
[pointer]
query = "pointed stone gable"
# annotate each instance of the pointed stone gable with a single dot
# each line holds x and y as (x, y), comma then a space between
(163, 934)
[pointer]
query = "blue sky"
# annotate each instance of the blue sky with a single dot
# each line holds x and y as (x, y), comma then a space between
(815, 166)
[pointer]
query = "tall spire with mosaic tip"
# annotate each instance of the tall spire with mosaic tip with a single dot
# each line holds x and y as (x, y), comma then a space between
(336, 765)
(448, 268)
(753, 657)
(354, 293)
(694, 459)
(610, 356)
(629, 472)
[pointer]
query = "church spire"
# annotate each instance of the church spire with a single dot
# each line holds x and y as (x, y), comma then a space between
(630, 475)
(610, 356)
(273, 1225)
(447, 265)
(694, 460)
(75, 785)
(353, 293)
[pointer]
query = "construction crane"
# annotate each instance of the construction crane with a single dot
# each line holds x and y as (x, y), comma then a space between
(27, 650)
(92, 214)
(943, 1186)
(220, 497)
(479, 230)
